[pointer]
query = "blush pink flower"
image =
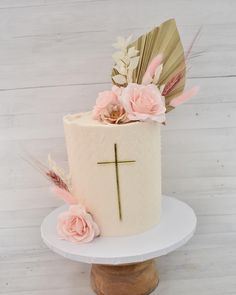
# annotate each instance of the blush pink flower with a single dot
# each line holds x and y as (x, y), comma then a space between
(76, 225)
(143, 102)
(109, 109)
(117, 90)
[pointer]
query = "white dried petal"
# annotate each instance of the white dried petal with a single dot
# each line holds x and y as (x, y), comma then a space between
(122, 43)
(117, 56)
(133, 63)
(121, 69)
(132, 52)
(125, 59)
(130, 76)
(119, 43)
(119, 79)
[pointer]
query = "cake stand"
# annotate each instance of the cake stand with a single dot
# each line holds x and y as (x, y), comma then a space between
(126, 265)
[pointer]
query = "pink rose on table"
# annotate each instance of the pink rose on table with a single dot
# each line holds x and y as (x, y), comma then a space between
(143, 102)
(77, 225)
(109, 109)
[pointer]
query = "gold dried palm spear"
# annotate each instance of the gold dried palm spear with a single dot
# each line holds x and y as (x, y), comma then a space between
(163, 40)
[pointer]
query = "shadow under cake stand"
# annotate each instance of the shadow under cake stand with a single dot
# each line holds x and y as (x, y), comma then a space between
(126, 265)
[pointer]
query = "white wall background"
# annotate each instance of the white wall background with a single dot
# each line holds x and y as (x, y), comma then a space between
(55, 55)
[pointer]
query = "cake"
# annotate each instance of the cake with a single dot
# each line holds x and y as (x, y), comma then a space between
(114, 150)
(116, 172)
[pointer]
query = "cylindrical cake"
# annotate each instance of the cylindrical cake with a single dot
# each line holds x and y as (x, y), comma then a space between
(116, 172)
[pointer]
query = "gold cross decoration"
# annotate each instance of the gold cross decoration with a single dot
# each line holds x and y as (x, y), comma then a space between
(117, 162)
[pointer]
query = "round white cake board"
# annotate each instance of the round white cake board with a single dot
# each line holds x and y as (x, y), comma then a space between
(177, 226)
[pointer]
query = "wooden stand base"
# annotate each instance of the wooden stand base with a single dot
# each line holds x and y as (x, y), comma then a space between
(129, 279)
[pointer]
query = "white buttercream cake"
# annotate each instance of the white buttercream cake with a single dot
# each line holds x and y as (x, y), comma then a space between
(116, 172)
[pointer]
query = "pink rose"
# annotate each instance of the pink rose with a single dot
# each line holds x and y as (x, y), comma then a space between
(109, 109)
(77, 225)
(143, 102)
(117, 90)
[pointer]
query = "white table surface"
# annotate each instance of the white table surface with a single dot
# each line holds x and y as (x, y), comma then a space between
(177, 226)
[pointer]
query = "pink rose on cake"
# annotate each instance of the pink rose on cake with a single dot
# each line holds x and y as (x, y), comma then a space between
(77, 225)
(109, 109)
(143, 102)
(117, 90)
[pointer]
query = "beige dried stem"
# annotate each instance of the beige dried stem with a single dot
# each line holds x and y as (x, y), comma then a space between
(51, 175)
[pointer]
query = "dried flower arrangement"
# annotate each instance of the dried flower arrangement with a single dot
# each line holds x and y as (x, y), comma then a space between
(149, 79)
(148, 76)
(76, 224)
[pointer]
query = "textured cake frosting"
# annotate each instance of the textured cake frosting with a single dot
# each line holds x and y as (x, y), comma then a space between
(116, 172)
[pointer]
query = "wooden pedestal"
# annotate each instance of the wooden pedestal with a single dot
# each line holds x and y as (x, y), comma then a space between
(128, 279)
